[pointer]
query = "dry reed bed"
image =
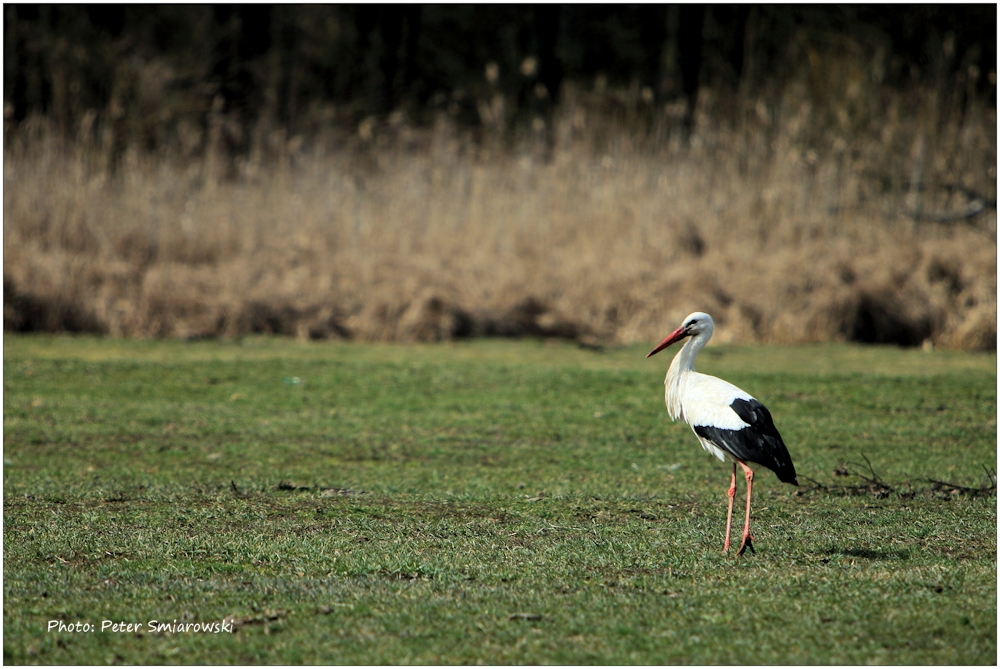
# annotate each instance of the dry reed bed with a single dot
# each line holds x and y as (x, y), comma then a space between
(604, 241)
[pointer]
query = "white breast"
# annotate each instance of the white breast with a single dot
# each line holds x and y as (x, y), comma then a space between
(699, 399)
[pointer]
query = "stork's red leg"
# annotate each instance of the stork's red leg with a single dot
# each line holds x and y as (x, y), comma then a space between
(747, 538)
(729, 514)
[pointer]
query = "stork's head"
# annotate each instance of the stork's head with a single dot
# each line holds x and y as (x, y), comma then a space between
(693, 325)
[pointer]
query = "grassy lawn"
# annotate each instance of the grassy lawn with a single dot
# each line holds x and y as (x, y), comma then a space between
(359, 504)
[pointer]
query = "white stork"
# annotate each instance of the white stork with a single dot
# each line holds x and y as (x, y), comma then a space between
(729, 423)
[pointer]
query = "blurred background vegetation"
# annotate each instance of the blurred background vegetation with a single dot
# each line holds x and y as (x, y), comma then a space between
(424, 172)
(154, 74)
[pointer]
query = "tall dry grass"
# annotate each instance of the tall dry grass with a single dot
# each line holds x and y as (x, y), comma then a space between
(873, 221)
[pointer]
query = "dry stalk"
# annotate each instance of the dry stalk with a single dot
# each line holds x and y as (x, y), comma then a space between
(608, 241)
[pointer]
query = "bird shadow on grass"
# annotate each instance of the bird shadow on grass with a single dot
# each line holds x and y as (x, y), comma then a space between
(867, 554)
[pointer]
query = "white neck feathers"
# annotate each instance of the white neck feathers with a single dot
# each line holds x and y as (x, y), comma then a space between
(680, 367)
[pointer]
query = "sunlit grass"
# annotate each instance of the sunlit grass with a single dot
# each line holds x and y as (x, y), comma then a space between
(349, 503)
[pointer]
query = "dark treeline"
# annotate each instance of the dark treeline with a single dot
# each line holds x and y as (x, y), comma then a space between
(147, 70)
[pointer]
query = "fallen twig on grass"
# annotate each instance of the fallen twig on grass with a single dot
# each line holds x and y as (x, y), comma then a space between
(992, 476)
(875, 479)
(955, 489)
(874, 485)
(816, 484)
(877, 487)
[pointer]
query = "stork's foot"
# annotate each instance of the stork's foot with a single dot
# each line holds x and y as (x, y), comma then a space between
(747, 543)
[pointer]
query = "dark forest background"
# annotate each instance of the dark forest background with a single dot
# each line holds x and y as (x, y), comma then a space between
(149, 70)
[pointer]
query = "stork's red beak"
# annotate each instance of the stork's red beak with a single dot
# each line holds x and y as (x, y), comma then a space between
(674, 337)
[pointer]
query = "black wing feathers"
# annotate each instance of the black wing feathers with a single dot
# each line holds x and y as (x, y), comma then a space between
(759, 442)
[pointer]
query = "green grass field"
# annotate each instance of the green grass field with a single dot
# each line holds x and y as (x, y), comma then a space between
(361, 504)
